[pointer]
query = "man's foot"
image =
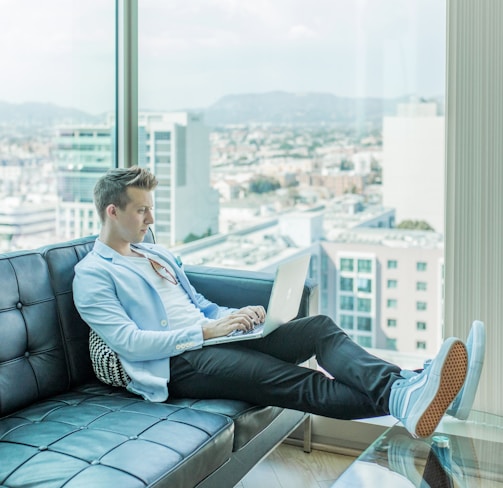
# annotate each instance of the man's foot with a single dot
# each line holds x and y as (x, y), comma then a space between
(476, 346)
(421, 400)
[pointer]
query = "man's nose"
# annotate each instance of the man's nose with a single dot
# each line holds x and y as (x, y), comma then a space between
(149, 217)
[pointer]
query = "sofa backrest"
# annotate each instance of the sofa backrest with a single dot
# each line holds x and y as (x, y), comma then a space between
(32, 357)
(61, 259)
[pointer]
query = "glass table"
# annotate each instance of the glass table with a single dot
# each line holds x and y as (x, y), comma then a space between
(462, 454)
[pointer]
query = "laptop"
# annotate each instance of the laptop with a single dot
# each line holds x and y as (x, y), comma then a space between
(284, 302)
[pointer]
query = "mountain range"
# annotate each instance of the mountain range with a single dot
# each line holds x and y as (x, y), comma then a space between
(307, 108)
(43, 114)
(273, 107)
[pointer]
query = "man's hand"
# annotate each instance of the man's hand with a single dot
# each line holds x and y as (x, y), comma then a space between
(243, 319)
(255, 312)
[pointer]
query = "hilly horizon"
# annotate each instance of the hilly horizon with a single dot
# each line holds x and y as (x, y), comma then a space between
(276, 107)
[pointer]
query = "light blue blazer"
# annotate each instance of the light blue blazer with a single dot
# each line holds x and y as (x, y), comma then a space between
(117, 301)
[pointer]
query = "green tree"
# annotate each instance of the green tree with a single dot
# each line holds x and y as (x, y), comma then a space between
(414, 225)
(263, 184)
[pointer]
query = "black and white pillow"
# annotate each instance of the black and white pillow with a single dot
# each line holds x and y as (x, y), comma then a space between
(106, 364)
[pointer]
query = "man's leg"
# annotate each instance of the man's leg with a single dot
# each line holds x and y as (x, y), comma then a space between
(265, 372)
(238, 373)
(335, 352)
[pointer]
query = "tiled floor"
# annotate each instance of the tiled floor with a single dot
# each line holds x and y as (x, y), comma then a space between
(289, 466)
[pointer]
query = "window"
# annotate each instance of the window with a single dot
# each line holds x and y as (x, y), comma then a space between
(365, 323)
(421, 306)
(346, 284)
(347, 303)
(347, 264)
(364, 266)
(364, 341)
(391, 322)
(56, 131)
(392, 283)
(421, 325)
(421, 266)
(364, 285)
(207, 146)
(364, 305)
(391, 344)
(421, 286)
(391, 303)
(420, 345)
(347, 321)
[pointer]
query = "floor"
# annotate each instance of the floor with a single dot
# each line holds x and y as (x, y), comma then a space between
(289, 466)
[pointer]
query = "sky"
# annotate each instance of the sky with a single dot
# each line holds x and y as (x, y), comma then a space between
(193, 52)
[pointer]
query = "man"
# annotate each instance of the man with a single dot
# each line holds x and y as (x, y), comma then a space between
(137, 298)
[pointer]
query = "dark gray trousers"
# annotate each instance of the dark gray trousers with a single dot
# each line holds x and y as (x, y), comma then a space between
(266, 372)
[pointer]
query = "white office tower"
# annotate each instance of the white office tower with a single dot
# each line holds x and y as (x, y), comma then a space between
(413, 164)
(176, 148)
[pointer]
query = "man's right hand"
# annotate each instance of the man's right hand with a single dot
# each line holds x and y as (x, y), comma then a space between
(228, 324)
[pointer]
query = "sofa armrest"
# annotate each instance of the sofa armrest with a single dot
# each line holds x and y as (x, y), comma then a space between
(239, 288)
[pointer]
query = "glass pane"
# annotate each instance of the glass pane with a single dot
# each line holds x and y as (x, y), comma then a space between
(303, 125)
(347, 303)
(346, 284)
(57, 91)
(364, 266)
(364, 323)
(346, 321)
(364, 285)
(347, 264)
(364, 304)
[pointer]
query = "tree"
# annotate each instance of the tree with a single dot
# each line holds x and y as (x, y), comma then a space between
(263, 184)
(193, 237)
(414, 225)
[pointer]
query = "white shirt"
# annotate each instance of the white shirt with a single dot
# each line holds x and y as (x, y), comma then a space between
(179, 308)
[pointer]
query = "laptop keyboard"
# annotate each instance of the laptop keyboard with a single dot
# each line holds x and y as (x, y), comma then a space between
(256, 330)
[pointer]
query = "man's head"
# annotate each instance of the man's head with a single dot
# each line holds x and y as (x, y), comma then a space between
(111, 188)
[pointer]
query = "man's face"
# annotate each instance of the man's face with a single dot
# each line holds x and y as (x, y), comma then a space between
(132, 223)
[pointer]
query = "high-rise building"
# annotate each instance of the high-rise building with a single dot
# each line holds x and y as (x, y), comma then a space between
(413, 164)
(83, 153)
(174, 146)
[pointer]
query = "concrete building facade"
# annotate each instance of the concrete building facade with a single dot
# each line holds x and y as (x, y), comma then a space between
(413, 164)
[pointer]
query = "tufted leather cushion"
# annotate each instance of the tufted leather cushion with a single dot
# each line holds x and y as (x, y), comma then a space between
(249, 420)
(61, 259)
(100, 436)
(32, 358)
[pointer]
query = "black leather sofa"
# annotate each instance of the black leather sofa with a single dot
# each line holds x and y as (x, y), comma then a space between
(59, 426)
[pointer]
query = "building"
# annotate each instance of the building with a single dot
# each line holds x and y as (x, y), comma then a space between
(25, 224)
(384, 287)
(82, 154)
(174, 146)
(413, 164)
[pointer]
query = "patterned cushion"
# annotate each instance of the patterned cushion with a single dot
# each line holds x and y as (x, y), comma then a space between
(106, 364)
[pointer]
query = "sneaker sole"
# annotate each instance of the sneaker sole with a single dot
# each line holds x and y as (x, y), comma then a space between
(452, 377)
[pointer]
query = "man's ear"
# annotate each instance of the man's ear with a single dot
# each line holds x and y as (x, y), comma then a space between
(111, 211)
